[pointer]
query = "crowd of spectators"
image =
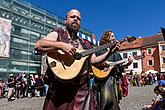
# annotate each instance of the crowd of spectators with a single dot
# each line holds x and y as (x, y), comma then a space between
(20, 86)
(145, 79)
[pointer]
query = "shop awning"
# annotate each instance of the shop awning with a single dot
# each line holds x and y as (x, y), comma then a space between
(151, 71)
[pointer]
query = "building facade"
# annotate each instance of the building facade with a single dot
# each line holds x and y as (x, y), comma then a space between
(151, 61)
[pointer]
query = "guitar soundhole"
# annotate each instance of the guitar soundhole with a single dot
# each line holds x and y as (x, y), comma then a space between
(53, 64)
(75, 44)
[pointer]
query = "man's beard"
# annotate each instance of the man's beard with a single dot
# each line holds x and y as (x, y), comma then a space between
(72, 28)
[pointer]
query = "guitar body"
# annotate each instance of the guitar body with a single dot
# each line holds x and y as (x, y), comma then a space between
(64, 66)
(101, 74)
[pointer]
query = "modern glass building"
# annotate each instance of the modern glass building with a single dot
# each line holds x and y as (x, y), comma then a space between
(29, 23)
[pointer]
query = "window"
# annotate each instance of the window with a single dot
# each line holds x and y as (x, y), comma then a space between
(163, 47)
(19, 54)
(17, 30)
(24, 32)
(163, 60)
(18, 63)
(126, 67)
(134, 53)
(18, 40)
(34, 36)
(125, 55)
(149, 51)
(150, 62)
(135, 65)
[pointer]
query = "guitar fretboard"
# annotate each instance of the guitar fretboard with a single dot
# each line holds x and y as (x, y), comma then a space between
(117, 62)
(96, 49)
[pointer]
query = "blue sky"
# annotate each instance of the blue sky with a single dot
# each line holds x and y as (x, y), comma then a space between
(125, 17)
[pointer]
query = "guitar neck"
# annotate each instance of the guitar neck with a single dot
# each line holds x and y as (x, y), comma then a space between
(96, 49)
(117, 62)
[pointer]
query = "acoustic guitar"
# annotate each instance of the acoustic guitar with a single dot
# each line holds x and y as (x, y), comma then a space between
(66, 67)
(103, 72)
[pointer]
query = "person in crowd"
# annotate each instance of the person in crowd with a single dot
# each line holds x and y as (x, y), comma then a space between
(30, 86)
(24, 85)
(19, 86)
(150, 78)
(158, 92)
(135, 80)
(131, 78)
(138, 78)
(159, 101)
(109, 89)
(74, 94)
(154, 77)
(1, 88)
(158, 76)
(11, 85)
(161, 83)
(45, 86)
(38, 86)
(162, 76)
(143, 75)
(124, 85)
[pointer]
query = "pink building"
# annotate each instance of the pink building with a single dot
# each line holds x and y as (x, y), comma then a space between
(151, 61)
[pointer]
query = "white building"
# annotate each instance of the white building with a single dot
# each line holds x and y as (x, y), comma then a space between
(161, 47)
(133, 50)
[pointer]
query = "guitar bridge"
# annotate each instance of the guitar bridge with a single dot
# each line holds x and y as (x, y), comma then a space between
(53, 64)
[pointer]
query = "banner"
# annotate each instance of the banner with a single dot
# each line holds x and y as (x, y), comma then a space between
(5, 31)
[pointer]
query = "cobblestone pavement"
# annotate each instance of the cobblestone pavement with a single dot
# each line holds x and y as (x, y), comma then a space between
(137, 98)
(34, 103)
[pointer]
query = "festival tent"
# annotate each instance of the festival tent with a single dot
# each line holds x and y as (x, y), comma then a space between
(151, 71)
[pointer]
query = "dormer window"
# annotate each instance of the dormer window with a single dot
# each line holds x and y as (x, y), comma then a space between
(149, 51)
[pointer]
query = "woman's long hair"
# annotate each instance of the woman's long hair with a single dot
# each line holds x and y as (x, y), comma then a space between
(105, 37)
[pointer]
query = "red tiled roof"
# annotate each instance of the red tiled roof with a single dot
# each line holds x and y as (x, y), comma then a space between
(152, 40)
(132, 45)
(142, 42)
